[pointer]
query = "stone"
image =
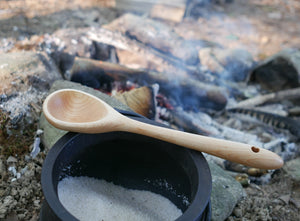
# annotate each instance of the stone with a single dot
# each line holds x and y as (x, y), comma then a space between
(226, 192)
(25, 77)
(292, 169)
(278, 72)
(11, 160)
(238, 212)
(21, 70)
(51, 134)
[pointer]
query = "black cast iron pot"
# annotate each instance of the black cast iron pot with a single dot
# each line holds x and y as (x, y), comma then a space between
(132, 161)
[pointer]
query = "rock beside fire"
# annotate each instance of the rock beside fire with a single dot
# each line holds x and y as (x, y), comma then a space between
(20, 71)
(25, 78)
(280, 71)
(226, 192)
(292, 169)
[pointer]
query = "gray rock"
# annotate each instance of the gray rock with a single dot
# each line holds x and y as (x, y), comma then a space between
(25, 77)
(292, 168)
(278, 72)
(226, 192)
(52, 134)
(21, 70)
(11, 160)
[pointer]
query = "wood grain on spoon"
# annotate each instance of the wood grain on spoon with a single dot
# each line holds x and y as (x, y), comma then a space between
(77, 111)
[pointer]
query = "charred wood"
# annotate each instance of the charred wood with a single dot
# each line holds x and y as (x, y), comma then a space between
(198, 94)
(271, 119)
(155, 59)
(202, 123)
(187, 123)
(295, 111)
(157, 35)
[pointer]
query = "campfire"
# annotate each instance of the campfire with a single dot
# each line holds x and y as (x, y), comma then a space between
(187, 65)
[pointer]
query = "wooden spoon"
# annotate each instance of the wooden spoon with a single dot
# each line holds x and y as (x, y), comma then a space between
(77, 111)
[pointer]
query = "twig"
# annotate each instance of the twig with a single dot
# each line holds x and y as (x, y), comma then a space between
(288, 94)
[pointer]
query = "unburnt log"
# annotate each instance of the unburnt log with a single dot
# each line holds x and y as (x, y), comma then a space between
(289, 94)
(188, 92)
(157, 35)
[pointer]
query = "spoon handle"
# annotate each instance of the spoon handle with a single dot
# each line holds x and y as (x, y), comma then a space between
(233, 151)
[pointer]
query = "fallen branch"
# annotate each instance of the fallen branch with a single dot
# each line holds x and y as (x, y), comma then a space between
(289, 94)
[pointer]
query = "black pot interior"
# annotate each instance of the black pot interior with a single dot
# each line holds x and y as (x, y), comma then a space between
(132, 161)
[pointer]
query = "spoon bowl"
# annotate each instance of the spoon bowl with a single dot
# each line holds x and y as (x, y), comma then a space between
(68, 106)
(77, 111)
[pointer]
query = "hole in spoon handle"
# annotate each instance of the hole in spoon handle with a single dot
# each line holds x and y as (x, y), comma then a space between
(255, 149)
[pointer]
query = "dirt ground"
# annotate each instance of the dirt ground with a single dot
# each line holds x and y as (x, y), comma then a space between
(263, 27)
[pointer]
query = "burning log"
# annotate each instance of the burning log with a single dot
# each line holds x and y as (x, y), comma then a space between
(289, 94)
(199, 94)
(156, 34)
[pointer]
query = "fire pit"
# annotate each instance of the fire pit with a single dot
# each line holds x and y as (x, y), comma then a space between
(131, 161)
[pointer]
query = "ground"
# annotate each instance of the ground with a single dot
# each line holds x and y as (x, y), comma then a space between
(263, 27)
